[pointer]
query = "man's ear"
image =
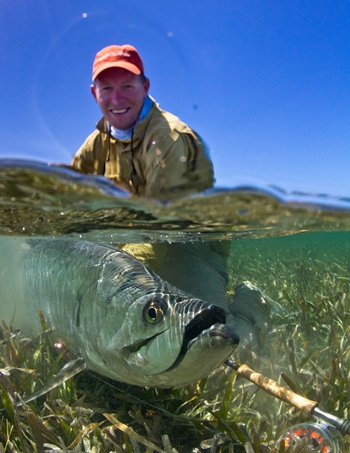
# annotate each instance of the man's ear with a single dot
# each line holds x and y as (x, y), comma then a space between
(93, 91)
(146, 85)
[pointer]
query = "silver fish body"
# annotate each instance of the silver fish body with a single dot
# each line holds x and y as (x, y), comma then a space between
(125, 321)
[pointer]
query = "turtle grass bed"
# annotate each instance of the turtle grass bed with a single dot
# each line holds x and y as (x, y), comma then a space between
(308, 344)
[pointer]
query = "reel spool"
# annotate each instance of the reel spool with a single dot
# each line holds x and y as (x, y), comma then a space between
(315, 437)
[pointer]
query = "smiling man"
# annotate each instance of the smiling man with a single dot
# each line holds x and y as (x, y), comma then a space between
(139, 146)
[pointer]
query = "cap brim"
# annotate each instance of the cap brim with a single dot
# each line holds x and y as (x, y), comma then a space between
(118, 64)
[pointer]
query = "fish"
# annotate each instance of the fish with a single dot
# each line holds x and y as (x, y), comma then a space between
(119, 318)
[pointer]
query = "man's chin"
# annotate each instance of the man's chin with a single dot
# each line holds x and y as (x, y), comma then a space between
(120, 121)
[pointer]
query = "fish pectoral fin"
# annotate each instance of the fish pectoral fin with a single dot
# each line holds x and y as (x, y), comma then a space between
(68, 371)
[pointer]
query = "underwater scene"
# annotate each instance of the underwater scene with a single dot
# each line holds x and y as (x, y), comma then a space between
(209, 311)
(294, 246)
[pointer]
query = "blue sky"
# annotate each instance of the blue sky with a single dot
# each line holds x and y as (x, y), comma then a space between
(265, 82)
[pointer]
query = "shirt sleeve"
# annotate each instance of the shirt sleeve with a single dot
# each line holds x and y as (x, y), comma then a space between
(177, 165)
(90, 156)
(83, 160)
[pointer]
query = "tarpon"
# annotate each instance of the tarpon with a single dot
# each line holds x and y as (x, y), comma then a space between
(111, 311)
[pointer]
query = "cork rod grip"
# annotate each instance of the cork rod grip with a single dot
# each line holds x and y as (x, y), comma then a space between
(273, 388)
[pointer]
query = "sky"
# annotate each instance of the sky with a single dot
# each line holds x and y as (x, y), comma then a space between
(266, 83)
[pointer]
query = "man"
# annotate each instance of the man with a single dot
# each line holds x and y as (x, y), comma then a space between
(140, 147)
(151, 153)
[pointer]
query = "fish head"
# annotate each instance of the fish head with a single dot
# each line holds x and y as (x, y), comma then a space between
(168, 340)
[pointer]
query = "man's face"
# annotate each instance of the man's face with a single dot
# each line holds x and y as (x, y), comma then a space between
(120, 95)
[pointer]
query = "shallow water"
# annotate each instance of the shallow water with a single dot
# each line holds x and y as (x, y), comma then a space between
(270, 230)
(37, 199)
(267, 227)
(295, 246)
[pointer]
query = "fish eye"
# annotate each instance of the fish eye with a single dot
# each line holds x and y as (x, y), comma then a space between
(154, 312)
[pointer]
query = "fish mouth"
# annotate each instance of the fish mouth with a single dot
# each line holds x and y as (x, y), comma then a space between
(212, 320)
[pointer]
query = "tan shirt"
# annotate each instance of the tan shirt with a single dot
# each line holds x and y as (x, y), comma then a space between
(165, 158)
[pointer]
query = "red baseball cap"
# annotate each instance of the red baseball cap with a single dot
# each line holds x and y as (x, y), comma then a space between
(125, 56)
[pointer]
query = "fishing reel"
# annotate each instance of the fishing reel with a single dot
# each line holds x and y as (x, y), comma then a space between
(317, 436)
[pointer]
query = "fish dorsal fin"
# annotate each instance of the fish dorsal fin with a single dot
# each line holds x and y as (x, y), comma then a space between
(68, 371)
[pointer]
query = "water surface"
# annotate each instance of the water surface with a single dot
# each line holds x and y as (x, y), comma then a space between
(38, 199)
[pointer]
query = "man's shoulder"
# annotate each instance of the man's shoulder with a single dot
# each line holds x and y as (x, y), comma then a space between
(93, 143)
(163, 125)
(100, 133)
(169, 120)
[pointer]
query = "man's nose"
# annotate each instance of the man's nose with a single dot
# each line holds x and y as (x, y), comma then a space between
(117, 95)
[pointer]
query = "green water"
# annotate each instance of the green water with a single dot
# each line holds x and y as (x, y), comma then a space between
(307, 276)
(296, 250)
(268, 259)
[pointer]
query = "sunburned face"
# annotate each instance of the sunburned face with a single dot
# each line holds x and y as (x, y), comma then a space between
(120, 95)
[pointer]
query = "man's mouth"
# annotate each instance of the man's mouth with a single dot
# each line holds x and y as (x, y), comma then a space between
(119, 111)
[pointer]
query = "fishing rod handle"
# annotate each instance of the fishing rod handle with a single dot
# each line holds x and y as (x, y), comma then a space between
(274, 388)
